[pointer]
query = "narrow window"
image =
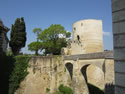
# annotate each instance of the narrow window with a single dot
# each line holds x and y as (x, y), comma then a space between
(74, 28)
(81, 24)
(78, 37)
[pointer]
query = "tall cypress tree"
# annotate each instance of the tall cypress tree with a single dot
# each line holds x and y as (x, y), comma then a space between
(18, 36)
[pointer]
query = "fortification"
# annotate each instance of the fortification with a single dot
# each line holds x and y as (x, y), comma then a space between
(89, 32)
(87, 38)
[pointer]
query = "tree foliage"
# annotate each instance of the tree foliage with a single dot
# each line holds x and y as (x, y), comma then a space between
(54, 38)
(17, 36)
(19, 72)
(35, 46)
(37, 30)
(64, 90)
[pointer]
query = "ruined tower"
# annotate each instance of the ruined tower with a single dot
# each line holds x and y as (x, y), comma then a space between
(89, 32)
(87, 38)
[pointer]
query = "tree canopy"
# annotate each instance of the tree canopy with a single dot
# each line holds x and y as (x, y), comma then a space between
(18, 35)
(37, 30)
(35, 46)
(54, 38)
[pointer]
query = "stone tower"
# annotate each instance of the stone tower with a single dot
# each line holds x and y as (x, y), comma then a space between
(87, 38)
(89, 32)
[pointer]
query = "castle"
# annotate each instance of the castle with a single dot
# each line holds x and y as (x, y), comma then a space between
(83, 62)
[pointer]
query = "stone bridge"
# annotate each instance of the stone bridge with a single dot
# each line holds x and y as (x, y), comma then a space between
(96, 69)
(75, 71)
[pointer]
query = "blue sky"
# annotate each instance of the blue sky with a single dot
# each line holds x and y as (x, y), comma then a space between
(43, 13)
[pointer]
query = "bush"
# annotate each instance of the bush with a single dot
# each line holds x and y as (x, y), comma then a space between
(64, 90)
(19, 73)
(47, 90)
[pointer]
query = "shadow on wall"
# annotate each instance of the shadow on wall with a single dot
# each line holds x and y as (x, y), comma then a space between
(69, 67)
(109, 88)
(94, 90)
(6, 67)
(91, 87)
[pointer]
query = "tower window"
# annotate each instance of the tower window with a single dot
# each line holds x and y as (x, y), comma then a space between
(74, 28)
(81, 24)
(78, 37)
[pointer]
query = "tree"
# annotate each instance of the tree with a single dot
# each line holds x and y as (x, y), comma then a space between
(52, 40)
(37, 30)
(17, 36)
(35, 46)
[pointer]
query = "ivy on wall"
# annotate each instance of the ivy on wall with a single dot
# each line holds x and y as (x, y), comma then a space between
(19, 72)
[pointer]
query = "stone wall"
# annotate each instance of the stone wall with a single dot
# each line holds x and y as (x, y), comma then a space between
(45, 72)
(74, 71)
(118, 13)
(3, 37)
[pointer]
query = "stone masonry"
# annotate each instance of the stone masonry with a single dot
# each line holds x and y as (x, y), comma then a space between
(3, 37)
(118, 13)
(74, 71)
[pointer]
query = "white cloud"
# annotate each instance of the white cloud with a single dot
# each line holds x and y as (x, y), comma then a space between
(106, 33)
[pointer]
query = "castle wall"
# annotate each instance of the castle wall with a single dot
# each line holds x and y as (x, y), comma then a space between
(51, 71)
(118, 14)
(45, 72)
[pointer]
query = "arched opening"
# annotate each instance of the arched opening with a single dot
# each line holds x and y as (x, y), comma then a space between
(94, 78)
(83, 70)
(69, 67)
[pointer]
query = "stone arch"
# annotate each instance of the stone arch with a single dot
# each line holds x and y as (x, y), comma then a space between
(69, 67)
(93, 75)
(83, 71)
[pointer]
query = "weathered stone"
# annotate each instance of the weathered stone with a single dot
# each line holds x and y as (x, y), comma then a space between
(119, 54)
(3, 37)
(118, 5)
(119, 28)
(120, 67)
(118, 16)
(119, 41)
(120, 79)
(119, 90)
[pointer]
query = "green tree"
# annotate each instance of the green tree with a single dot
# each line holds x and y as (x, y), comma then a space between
(18, 36)
(54, 38)
(35, 46)
(37, 30)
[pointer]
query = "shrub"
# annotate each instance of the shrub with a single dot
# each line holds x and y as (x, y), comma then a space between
(19, 73)
(47, 90)
(64, 90)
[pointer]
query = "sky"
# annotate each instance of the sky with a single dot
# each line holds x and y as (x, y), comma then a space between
(43, 13)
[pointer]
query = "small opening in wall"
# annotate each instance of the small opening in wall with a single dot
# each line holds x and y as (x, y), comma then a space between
(81, 24)
(78, 37)
(74, 28)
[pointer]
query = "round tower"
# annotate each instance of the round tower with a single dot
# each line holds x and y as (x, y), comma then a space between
(89, 32)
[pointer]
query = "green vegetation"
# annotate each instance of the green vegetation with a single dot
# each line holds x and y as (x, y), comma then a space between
(35, 46)
(17, 36)
(37, 30)
(19, 72)
(64, 90)
(47, 90)
(6, 67)
(51, 40)
(54, 38)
